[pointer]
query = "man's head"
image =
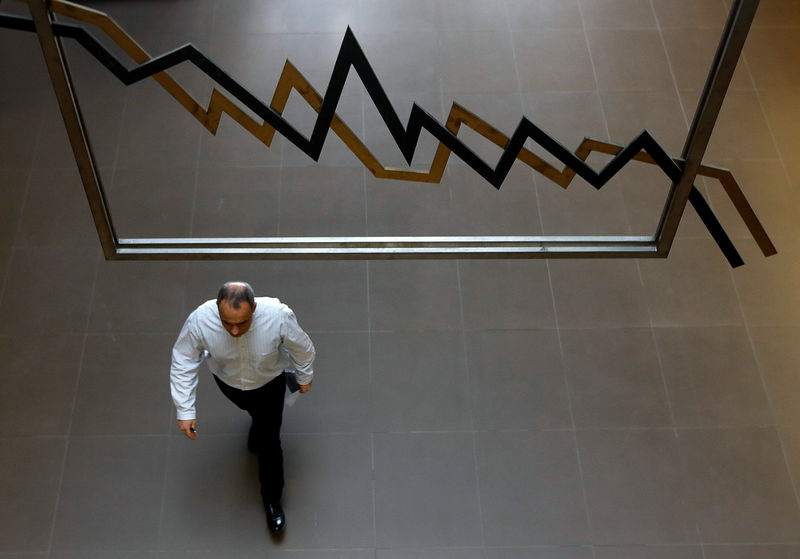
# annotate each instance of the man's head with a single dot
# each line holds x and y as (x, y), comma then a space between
(236, 303)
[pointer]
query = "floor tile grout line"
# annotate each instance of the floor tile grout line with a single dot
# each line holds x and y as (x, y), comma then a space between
(73, 408)
(468, 390)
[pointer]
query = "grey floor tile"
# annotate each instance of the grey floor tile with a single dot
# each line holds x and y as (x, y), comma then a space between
(5, 260)
(645, 189)
(306, 16)
(138, 297)
(480, 61)
(793, 171)
(256, 61)
(340, 398)
(436, 553)
(212, 499)
(767, 551)
(477, 208)
(501, 294)
(691, 52)
(766, 285)
(237, 202)
(12, 193)
(328, 496)
(536, 14)
(650, 552)
(397, 208)
(777, 355)
(61, 278)
(123, 387)
(531, 489)
(720, 466)
(324, 295)
(30, 469)
(414, 295)
(769, 52)
(426, 491)
(553, 60)
(419, 382)
(692, 287)
(741, 131)
(712, 377)
(102, 99)
(582, 209)
(327, 206)
(657, 110)
(274, 551)
(56, 213)
(775, 206)
(616, 14)
(39, 384)
(163, 27)
(539, 552)
(21, 122)
(781, 113)
(233, 146)
(390, 16)
(516, 380)
(111, 494)
(157, 202)
(598, 293)
(471, 15)
(634, 487)
(615, 378)
(156, 133)
(629, 59)
(394, 55)
(104, 554)
(690, 13)
(790, 438)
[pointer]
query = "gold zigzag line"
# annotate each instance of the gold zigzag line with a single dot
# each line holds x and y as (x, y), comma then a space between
(292, 79)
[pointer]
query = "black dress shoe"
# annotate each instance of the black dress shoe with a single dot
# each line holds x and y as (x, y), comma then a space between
(276, 520)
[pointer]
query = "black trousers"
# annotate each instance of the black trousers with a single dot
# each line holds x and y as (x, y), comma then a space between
(265, 406)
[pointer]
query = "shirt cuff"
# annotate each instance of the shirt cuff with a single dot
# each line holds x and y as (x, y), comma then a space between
(186, 415)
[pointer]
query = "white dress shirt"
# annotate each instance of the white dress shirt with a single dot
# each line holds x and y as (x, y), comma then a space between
(273, 343)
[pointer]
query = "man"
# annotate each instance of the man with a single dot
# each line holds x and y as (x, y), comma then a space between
(248, 344)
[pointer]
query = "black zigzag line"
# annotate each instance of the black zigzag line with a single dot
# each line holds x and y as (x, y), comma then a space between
(407, 138)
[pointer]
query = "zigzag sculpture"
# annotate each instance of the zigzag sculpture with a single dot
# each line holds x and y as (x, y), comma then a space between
(643, 148)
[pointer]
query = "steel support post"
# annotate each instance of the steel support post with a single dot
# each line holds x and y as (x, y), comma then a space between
(728, 53)
(70, 112)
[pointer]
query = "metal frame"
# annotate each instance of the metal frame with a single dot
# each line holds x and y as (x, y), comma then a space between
(683, 174)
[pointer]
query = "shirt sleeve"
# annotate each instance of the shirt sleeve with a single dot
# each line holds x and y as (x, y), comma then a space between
(299, 345)
(187, 355)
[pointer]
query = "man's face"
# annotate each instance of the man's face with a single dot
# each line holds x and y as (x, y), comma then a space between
(236, 321)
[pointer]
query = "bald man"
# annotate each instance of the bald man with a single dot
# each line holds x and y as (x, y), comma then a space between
(248, 343)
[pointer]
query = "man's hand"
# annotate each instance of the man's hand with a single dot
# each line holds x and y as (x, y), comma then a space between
(189, 427)
(305, 388)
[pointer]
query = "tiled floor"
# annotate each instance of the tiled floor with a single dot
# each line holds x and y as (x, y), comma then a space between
(462, 409)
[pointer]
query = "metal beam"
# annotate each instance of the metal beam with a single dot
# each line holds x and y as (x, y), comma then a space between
(70, 112)
(719, 78)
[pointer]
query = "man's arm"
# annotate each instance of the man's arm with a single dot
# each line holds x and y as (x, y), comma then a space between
(301, 349)
(187, 354)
